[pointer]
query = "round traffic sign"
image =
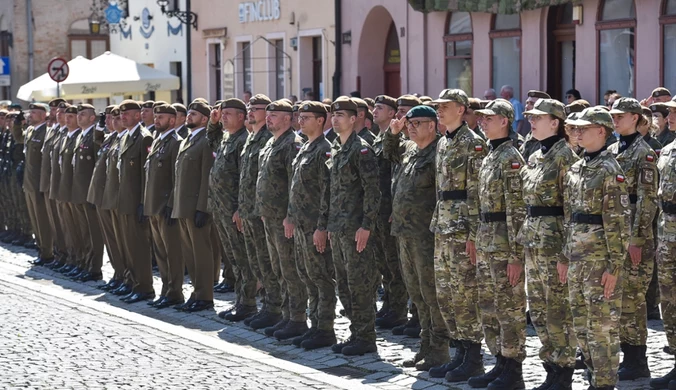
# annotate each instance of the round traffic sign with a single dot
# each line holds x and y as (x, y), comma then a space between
(58, 69)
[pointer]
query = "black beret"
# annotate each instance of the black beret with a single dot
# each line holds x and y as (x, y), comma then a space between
(538, 94)
(71, 110)
(37, 106)
(115, 111)
(109, 109)
(475, 104)
(147, 104)
(660, 91)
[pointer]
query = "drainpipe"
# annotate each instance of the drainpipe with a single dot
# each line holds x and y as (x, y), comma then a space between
(29, 26)
(337, 73)
(425, 57)
(188, 37)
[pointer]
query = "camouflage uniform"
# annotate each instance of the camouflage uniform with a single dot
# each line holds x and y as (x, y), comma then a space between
(308, 214)
(367, 136)
(530, 146)
(596, 196)
(666, 248)
(355, 201)
(16, 190)
(272, 202)
(666, 137)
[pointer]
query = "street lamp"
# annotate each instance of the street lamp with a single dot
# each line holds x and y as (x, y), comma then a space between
(94, 24)
(186, 17)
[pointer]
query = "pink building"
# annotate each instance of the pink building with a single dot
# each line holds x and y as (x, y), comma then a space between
(590, 45)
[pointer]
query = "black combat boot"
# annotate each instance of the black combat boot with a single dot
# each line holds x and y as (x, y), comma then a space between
(664, 382)
(472, 364)
(320, 339)
(636, 363)
(482, 381)
(456, 361)
(511, 377)
(270, 330)
(564, 379)
(305, 336)
(359, 347)
(291, 329)
(420, 355)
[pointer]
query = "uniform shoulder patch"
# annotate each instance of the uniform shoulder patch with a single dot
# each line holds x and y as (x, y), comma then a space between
(650, 158)
(298, 147)
(620, 178)
(516, 165)
(364, 151)
(328, 154)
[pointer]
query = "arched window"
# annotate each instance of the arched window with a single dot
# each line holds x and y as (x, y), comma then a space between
(458, 40)
(506, 52)
(668, 22)
(616, 39)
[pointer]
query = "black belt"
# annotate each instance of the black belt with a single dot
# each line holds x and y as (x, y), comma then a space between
(633, 198)
(453, 195)
(590, 219)
(493, 217)
(669, 208)
(545, 211)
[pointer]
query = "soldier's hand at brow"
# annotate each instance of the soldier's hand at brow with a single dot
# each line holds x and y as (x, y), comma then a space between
(215, 116)
(608, 282)
(319, 239)
(514, 273)
(397, 125)
(563, 272)
(288, 228)
(238, 221)
(362, 238)
(470, 248)
(635, 254)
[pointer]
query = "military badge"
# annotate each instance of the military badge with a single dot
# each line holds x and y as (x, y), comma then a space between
(648, 176)
(624, 200)
(620, 178)
(364, 151)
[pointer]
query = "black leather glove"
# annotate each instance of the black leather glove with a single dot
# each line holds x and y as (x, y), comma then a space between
(19, 173)
(167, 216)
(201, 219)
(19, 118)
(102, 119)
(139, 214)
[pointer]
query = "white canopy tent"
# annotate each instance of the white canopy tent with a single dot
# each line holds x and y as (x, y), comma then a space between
(44, 88)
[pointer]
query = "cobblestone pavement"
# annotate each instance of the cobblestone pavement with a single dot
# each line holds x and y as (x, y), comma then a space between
(61, 334)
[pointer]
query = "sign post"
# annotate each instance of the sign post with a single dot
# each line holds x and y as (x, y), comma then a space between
(58, 71)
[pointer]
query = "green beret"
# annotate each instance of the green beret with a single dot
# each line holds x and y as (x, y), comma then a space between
(453, 95)
(128, 104)
(424, 99)
(201, 99)
(498, 107)
(71, 110)
(369, 115)
(147, 104)
(296, 106)
(646, 111)
(594, 116)
(217, 103)
(386, 100)
(64, 104)
(55, 102)
(200, 106)
(282, 105)
(259, 98)
(421, 111)
(159, 103)
(344, 103)
(180, 108)
(360, 103)
(37, 106)
(164, 109)
(538, 94)
(370, 102)
(109, 108)
(548, 106)
(85, 106)
(626, 105)
(115, 111)
(316, 107)
(233, 103)
(408, 101)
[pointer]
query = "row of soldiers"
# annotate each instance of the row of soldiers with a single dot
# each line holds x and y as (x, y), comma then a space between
(447, 220)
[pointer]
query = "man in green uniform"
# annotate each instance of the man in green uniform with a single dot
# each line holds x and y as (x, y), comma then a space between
(667, 132)
(360, 123)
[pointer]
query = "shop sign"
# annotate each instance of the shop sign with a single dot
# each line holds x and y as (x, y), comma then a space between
(259, 11)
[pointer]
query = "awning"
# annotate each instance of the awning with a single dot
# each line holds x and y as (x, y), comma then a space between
(43, 88)
(491, 6)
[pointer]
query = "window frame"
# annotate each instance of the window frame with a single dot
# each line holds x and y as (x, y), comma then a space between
(88, 38)
(614, 24)
(457, 38)
(493, 34)
(664, 20)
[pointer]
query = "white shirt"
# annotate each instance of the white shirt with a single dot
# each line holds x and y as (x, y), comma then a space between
(194, 133)
(166, 134)
(133, 131)
(122, 134)
(87, 130)
(70, 133)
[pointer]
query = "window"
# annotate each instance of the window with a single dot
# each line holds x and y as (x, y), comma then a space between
(245, 67)
(279, 68)
(616, 37)
(458, 40)
(506, 52)
(216, 70)
(83, 43)
(668, 22)
(176, 68)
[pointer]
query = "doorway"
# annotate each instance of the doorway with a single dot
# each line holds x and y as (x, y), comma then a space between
(392, 66)
(561, 49)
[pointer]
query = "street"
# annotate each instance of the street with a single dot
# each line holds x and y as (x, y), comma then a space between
(61, 334)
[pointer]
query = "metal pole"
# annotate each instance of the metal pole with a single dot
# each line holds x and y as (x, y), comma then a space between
(58, 90)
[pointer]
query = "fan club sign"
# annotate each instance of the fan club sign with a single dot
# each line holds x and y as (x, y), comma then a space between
(259, 11)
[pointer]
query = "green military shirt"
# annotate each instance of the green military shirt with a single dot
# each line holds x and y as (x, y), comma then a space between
(458, 161)
(597, 188)
(311, 177)
(384, 175)
(367, 135)
(665, 137)
(355, 197)
(274, 174)
(415, 198)
(249, 172)
(666, 226)
(500, 192)
(215, 135)
(225, 173)
(639, 164)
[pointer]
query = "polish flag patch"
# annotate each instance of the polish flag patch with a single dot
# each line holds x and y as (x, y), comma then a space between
(149, 148)
(650, 158)
(214, 154)
(298, 147)
(620, 178)
(658, 151)
(478, 148)
(516, 165)
(364, 151)
(328, 154)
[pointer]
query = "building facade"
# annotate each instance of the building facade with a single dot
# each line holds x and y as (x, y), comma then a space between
(276, 47)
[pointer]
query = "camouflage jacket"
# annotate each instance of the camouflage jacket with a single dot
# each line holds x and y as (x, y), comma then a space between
(542, 181)
(500, 192)
(393, 153)
(517, 139)
(415, 198)
(597, 187)
(639, 164)
(274, 174)
(224, 175)
(248, 173)
(530, 146)
(355, 197)
(215, 135)
(666, 226)
(384, 175)
(310, 179)
(665, 137)
(367, 136)
(458, 162)
(653, 143)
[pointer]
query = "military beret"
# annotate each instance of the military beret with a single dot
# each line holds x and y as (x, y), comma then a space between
(424, 99)
(430, 104)
(475, 104)
(594, 116)
(386, 100)
(360, 103)
(217, 103)
(626, 105)
(646, 111)
(64, 104)
(453, 95)
(370, 102)
(15, 107)
(408, 101)
(546, 106)
(498, 107)
(115, 111)
(259, 98)
(3, 112)
(201, 99)
(127, 105)
(296, 106)
(55, 102)
(71, 110)
(577, 106)
(233, 103)
(37, 106)
(282, 105)
(660, 91)
(538, 94)
(286, 100)
(421, 111)
(159, 103)
(328, 107)
(109, 109)
(200, 106)
(147, 104)
(316, 107)
(180, 108)
(369, 115)
(344, 103)
(85, 106)
(660, 108)
(164, 109)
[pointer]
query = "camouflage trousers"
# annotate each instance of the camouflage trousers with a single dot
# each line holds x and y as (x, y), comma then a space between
(317, 272)
(502, 306)
(356, 277)
(387, 259)
(596, 319)
(22, 221)
(549, 306)
(666, 267)
(259, 260)
(417, 268)
(283, 261)
(634, 319)
(457, 289)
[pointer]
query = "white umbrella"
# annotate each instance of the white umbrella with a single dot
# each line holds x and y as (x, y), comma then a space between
(110, 74)
(43, 88)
